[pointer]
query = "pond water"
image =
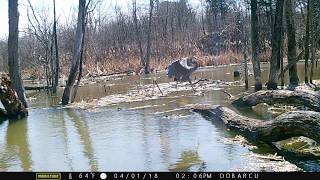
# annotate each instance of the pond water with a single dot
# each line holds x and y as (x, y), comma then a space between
(152, 135)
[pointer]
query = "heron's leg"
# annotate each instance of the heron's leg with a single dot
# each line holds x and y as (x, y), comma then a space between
(191, 85)
(176, 80)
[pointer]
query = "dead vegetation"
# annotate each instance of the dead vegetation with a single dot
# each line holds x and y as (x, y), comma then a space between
(133, 66)
(146, 92)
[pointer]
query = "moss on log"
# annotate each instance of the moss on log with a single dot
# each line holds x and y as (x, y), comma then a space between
(308, 99)
(10, 100)
(287, 125)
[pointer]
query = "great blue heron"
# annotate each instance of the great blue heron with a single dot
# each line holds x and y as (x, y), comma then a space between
(181, 70)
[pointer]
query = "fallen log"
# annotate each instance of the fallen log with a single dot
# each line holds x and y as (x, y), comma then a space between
(9, 99)
(287, 125)
(36, 88)
(127, 72)
(308, 99)
(271, 158)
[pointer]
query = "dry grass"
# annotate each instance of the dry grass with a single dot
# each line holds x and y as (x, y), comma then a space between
(223, 59)
(133, 65)
(265, 56)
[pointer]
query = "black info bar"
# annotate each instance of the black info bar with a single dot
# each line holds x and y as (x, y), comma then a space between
(156, 175)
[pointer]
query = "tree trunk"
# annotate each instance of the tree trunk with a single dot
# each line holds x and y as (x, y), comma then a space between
(313, 39)
(244, 39)
(136, 27)
(309, 99)
(307, 44)
(276, 43)
(165, 29)
(74, 93)
(313, 54)
(52, 67)
(292, 50)
(221, 15)
(202, 19)
(10, 100)
(76, 54)
(13, 55)
(255, 46)
(246, 81)
(270, 18)
(147, 59)
(287, 125)
(281, 61)
(57, 63)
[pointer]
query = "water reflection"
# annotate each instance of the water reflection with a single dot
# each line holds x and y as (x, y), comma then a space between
(225, 136)
(51, 139)
(186, 161)
(146, 144)
(16, 153)
(83, 130)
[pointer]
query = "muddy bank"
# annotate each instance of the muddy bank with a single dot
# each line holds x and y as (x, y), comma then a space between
(149, 92)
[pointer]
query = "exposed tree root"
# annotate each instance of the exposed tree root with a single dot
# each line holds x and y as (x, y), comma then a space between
(10, 100)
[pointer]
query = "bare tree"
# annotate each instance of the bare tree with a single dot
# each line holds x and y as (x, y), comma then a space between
(78, 46)
(281, 58)
(276, 46)
(137, 32)
(255, 45)
(313, 38)
(73, 94)
(292, 50)
(307, 44)
(40, 28)
(13, 55)
(144, 58)
(147, 58)
(202, 18)
(57, 66)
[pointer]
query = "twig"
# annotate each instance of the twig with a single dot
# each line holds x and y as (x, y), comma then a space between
(158, 87)
(230, 95)
(200, 81)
